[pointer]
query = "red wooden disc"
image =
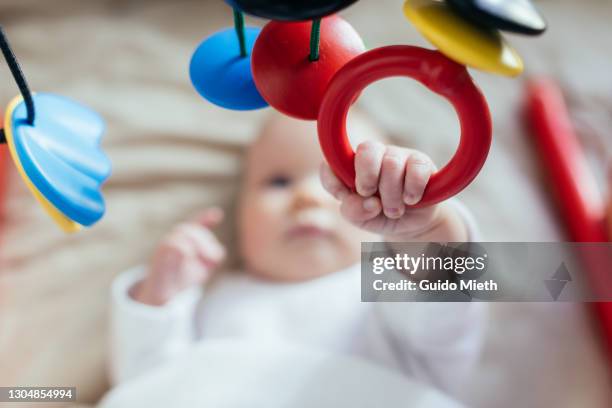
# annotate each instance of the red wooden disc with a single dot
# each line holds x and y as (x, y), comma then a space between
(283, 72)
(442, 76)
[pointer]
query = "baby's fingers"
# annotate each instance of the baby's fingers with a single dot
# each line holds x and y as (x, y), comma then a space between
(206, 247)
(210, 217)
(419, 169)
(332, 184)
(171, 253)
(354, 208)
(391, 184)
(368, 162)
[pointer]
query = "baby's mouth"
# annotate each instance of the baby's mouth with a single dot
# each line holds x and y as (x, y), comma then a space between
(311, 225)
(308, 231)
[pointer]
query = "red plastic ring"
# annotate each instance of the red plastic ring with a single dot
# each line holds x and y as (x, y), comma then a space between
(438, 73)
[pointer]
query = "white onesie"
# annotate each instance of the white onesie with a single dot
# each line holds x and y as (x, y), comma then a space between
(436, 343)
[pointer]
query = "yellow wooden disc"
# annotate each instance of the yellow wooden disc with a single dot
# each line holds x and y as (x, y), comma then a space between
(65, 223)
(462, 41)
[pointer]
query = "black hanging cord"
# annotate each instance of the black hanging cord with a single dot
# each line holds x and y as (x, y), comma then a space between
(13, 64)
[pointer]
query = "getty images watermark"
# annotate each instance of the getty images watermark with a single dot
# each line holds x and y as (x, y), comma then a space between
(506, 272)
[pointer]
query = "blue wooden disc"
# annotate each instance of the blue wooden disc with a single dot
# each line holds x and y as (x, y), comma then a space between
(221, 75)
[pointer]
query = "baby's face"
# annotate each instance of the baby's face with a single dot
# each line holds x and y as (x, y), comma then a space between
(290, 227)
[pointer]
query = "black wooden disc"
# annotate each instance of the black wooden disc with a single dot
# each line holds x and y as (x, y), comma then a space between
(290, 10)
(517, 16)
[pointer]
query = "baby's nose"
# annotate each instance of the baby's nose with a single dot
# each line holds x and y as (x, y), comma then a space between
(310, 193)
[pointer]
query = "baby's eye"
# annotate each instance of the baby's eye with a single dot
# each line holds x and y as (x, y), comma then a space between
(278, 181)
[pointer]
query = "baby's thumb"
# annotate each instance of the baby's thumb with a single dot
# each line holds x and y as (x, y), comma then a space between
(331, 183)
(358, 209)
(209, 218)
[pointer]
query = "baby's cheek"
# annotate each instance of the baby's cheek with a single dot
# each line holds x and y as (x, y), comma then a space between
(260, 224)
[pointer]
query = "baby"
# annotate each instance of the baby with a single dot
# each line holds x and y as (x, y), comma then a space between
(300, 237)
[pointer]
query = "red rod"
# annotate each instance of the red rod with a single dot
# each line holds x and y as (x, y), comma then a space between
(581, 204)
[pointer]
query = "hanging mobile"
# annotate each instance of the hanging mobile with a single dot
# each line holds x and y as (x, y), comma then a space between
(55, 145)
(315, 70)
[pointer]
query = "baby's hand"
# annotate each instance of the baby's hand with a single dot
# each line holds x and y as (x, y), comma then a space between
(400, 176)
(184, 259)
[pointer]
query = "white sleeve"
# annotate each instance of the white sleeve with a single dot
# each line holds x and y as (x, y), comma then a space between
(144, 336)
(438, 343)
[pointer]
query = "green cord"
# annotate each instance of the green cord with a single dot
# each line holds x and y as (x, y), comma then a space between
(315, 40)
(239, 24)
(315, 36)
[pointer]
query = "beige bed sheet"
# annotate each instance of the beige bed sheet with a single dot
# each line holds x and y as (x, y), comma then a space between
(173, 154)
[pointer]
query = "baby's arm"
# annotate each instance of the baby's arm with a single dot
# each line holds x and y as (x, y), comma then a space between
(153, 308)
(436, 342)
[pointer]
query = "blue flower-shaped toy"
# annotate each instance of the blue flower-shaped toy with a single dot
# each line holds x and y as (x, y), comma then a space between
(59, 157)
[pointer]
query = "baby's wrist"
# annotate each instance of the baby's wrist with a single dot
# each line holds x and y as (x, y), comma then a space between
(434, 218)
(153, 292)
(144, 292)
(445, 224)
